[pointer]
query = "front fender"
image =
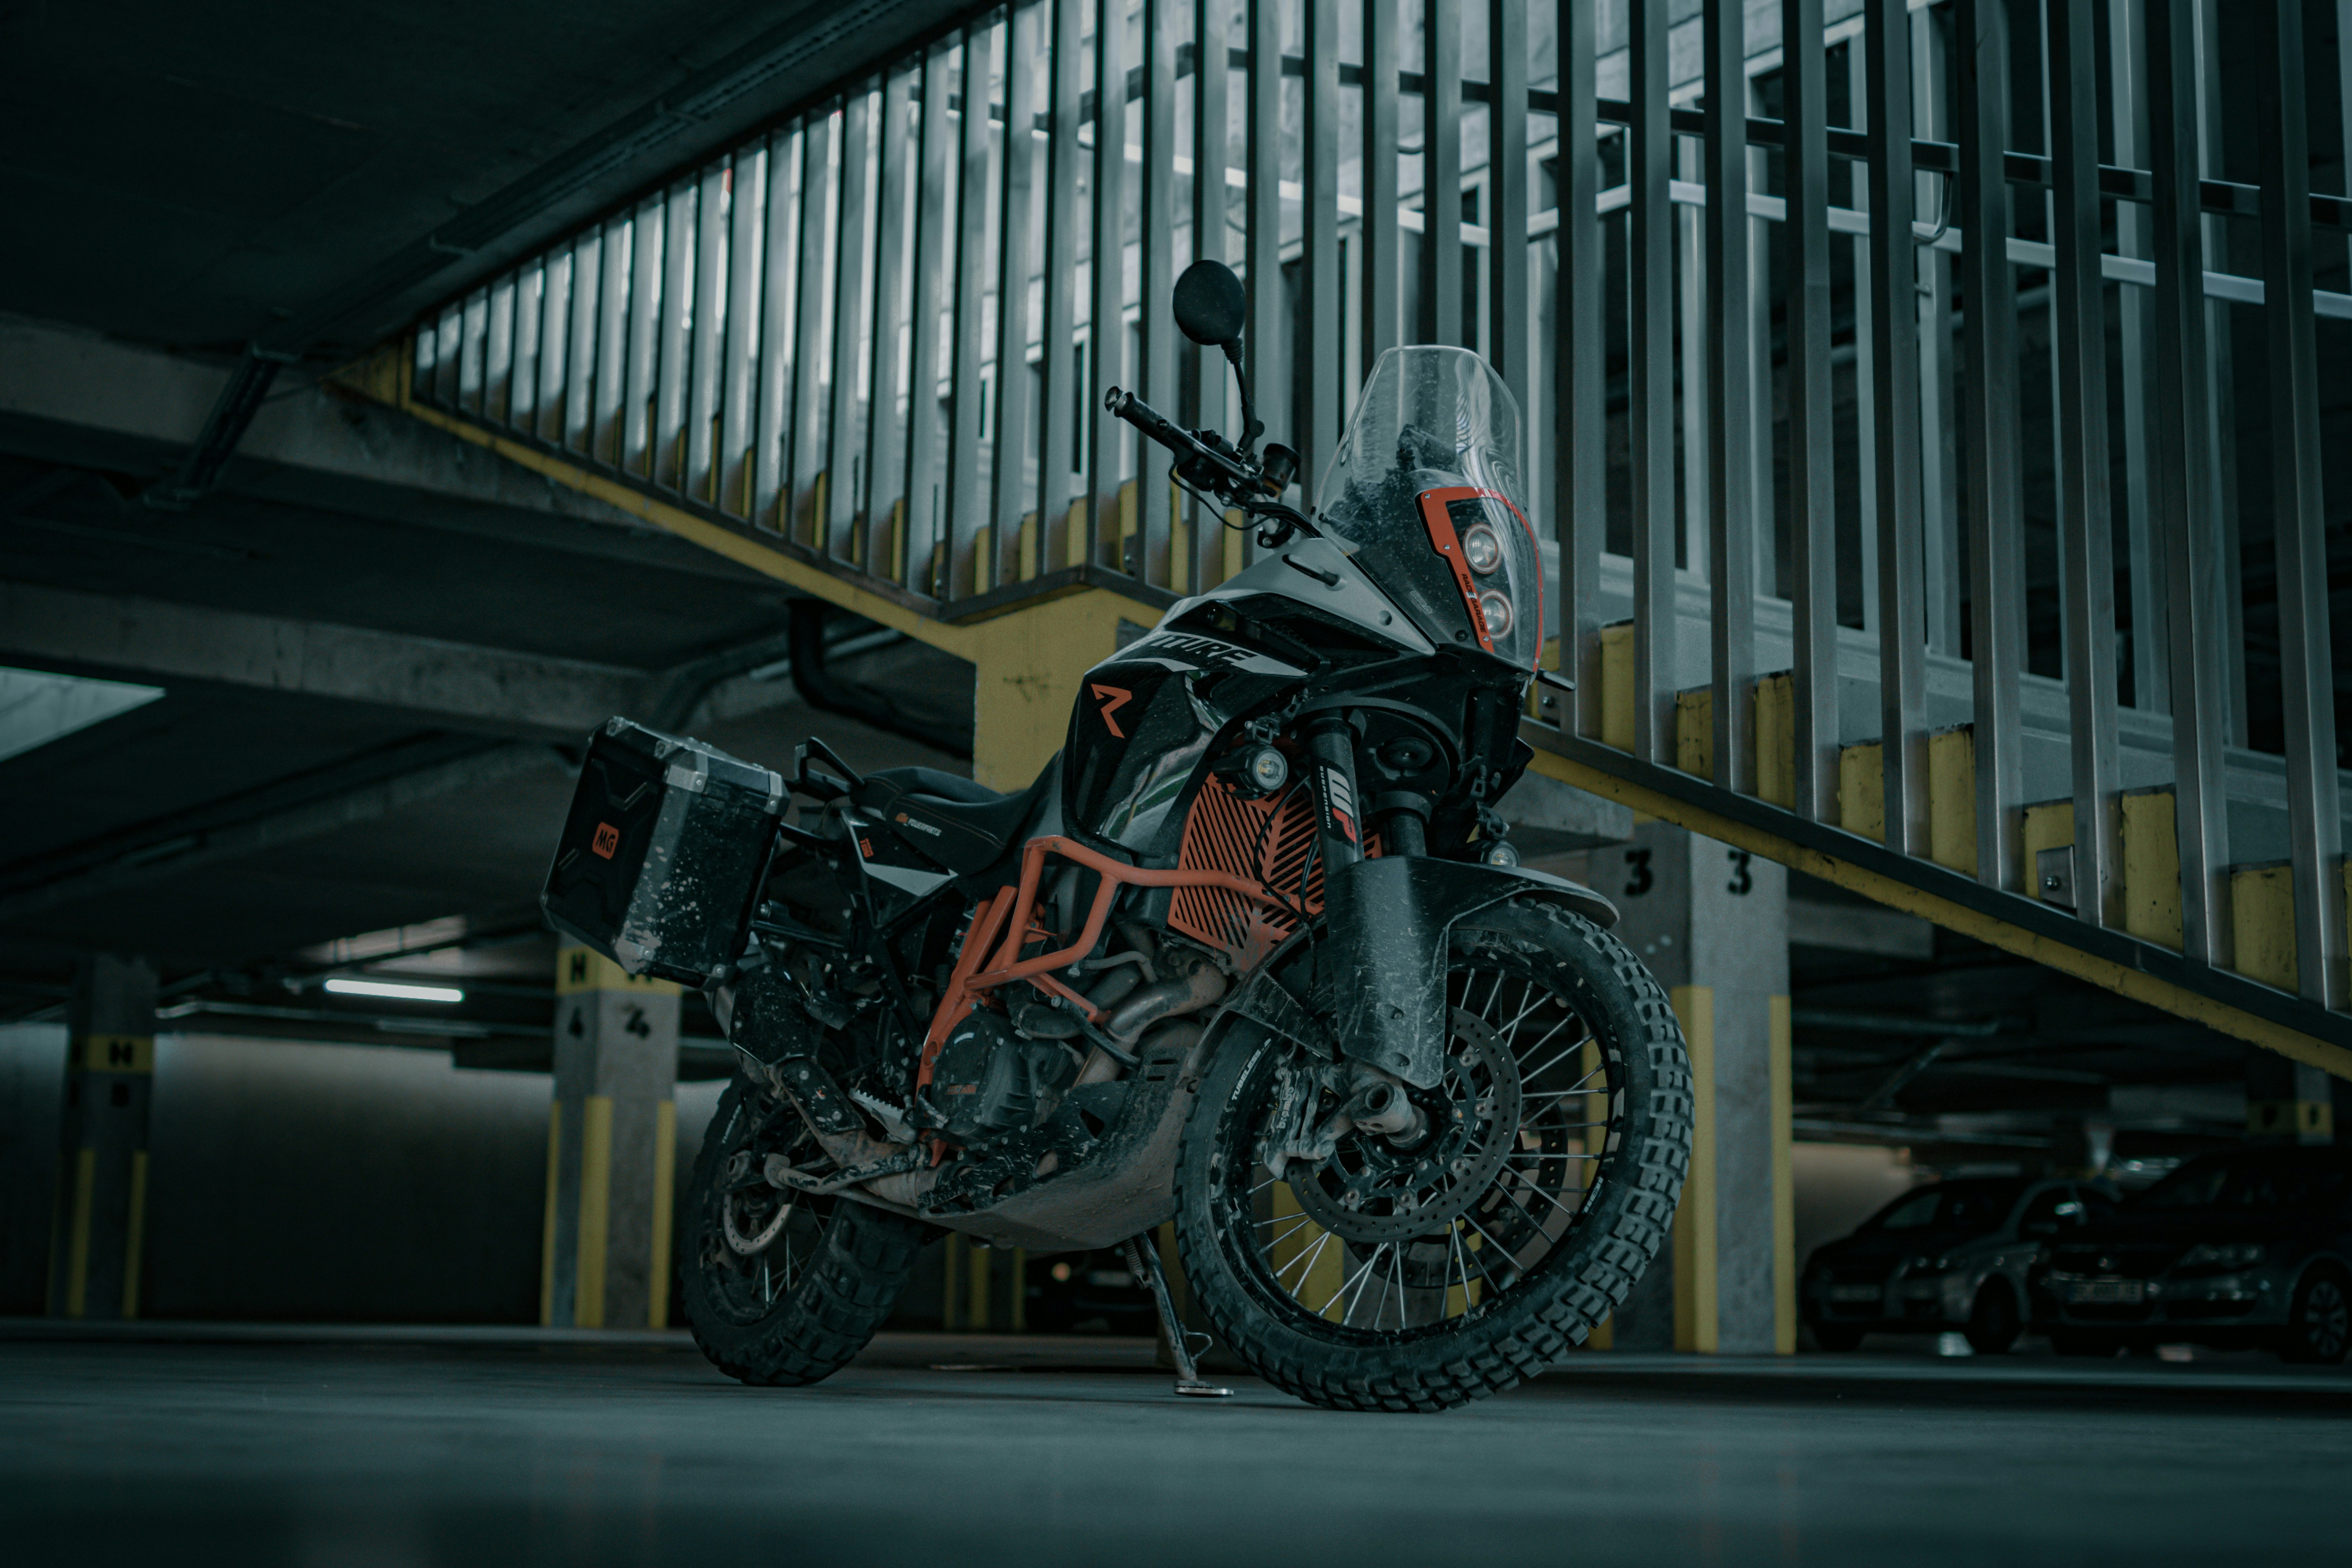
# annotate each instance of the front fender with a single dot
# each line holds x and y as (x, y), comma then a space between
(1387, 954)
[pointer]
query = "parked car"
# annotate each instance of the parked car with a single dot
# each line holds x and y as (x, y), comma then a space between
(2250, 1245)
(1951, 1255)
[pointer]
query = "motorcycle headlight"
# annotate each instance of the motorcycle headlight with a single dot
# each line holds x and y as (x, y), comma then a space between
(1497, 611)
(1482, 549)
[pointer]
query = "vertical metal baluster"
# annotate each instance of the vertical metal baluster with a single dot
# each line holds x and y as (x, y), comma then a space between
(1441, 193)
(1212, 146)
(645, 270)
(934, 242)
(497, 354)
(1315, 427)
(678, 303)
(1384, 260)
(473, 352)
(1161, 34)
(845, 439)
(2085, 523)
(777, 348)
(580, 357)
(1996, 524)
(709, 324)
(1866, 397)
(2180, 484)
(1580, 370)
(1061, 389)
(886, 441)
(811, 357)
(2299, 518)
(737, 407)
(1509, 307)
(612, 339)
(554, 316)
(967, 503)
(1901, 697)
(522, 408)
(1015, 440)
(1730, 391)
(1931, 320)
(1649, 165)
(449, 364)
(1812, 430)
(1106, 315)
(2150, 639)
(1269, 375)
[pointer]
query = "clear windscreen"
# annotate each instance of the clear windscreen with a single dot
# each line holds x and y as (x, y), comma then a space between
(1425, 491)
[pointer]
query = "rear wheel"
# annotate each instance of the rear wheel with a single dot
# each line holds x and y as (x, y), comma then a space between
(781, 1288)
(1837, 1338)
(1424, 1269)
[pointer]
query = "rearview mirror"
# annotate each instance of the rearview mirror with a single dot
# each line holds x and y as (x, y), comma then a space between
(1210, 304)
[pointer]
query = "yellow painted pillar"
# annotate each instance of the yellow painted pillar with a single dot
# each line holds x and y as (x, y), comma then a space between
(604, 1254)
(100, 1233)
(1711, 922)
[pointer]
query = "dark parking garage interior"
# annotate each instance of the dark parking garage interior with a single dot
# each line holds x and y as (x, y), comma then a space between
(404, 415)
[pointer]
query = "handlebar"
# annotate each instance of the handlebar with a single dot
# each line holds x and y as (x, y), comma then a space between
(1231, 475)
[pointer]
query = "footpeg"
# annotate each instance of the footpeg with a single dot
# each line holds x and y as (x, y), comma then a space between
(1144, 1258)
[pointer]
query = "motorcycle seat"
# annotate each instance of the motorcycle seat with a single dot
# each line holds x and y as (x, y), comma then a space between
(964, 826)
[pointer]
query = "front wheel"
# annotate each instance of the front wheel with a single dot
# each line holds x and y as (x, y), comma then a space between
(781, 1288)
(2319, 1324)
(1421, 1269)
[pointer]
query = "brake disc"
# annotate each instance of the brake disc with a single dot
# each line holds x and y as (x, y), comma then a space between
(1371, 1192)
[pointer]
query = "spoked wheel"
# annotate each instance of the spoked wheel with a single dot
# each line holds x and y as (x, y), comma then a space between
(783, 1288)
(1466, 1240)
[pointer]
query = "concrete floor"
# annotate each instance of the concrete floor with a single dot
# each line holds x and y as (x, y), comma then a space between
(374, 1449)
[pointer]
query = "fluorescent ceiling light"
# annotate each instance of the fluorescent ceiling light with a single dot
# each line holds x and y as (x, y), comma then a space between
(386, 988)
(36, 707)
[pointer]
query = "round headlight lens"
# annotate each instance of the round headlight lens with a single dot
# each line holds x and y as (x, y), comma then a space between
(1497, 611)
(1267, 770)
(1482, 548)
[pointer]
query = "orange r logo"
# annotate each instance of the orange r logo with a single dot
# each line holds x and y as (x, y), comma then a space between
(1113, 700)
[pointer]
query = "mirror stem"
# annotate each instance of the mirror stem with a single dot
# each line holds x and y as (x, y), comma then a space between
(1251, 427)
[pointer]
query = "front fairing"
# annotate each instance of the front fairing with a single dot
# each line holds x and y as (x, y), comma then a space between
(1143, 727)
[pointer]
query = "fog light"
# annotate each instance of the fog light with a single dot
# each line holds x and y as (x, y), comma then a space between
(1267, 770)
(1500, 853)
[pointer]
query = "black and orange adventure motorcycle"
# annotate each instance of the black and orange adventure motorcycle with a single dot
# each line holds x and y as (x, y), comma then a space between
(1253, 954)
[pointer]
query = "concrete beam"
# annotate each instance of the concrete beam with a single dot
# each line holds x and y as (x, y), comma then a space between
(73, 396)
(445, 684)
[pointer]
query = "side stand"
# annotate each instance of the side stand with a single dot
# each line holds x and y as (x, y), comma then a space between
(1143, 1256)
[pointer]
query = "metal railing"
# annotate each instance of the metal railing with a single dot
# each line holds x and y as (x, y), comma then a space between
(1889, 535)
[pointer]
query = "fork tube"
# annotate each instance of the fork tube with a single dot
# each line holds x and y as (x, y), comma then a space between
(1332, 741)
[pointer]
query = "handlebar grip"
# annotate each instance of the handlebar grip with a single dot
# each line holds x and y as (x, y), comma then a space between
(1148, 420)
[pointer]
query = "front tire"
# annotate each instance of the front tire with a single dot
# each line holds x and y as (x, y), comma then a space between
(1994, 1321)
(2319, 1324)
(781, 1288)
(1562, 1133)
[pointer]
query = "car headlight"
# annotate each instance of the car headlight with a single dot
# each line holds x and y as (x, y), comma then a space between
(1937, 1265)
(2224, 1255)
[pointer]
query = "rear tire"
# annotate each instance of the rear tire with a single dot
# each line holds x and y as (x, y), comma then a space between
(1558, 1236)
(1994, 1323)
(802, 1305)
(1837, 1338)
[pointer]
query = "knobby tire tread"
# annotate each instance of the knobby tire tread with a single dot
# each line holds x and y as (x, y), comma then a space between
(1509, 1345)
(833, 1311)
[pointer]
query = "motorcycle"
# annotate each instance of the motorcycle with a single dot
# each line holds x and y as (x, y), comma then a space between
(1254, 954)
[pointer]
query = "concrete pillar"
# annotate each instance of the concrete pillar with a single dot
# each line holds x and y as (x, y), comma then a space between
(103, 1180)
(1712, 923)
(2288, 1101)
(612, 1146)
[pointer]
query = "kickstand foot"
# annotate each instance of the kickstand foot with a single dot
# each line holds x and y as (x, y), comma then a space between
(1143, 1256)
